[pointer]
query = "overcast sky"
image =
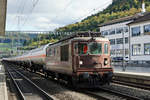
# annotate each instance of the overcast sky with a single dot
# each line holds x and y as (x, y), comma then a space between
(47, 15)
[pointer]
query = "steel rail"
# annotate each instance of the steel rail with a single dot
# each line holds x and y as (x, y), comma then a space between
(95, 95)
(16, 85)
(135, 85)
(41, 90)
(128, 97)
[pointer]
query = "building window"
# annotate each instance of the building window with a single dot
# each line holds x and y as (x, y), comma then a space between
(136, 49)
(126, 29)
(136, 31)
(119, 30)
(126, 52)
(126, 39)
(119, 52)
(147, 49)
(112, 52)
(147, 28)
(111, 32)
(119, 41)
(112, 41)
(104, 33)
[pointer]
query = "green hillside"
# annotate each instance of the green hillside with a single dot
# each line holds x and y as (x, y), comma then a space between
(118, 9)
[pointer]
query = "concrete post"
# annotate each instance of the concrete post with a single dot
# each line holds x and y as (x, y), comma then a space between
(3, 6)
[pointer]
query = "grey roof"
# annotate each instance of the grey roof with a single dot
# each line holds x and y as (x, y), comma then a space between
(144, 17)
(124, 19)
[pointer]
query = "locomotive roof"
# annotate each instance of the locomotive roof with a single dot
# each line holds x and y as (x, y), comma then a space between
(80, 34)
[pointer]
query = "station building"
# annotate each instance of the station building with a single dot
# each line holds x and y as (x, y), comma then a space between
(140, 38)
(129, 37)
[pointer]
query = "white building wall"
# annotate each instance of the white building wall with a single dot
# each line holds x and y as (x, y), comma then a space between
(116, 36)
(142, 39)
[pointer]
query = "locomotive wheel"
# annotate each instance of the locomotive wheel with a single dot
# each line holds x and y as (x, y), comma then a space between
(53, 76)
(34, 70)
(31, 70)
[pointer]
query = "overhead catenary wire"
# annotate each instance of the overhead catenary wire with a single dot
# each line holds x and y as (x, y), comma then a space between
(18, 5)
(63, 10)
(35, 2)
(89, 13)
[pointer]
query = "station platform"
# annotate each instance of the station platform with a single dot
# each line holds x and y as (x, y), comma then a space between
(132, 73)
(3, 88)
(140, 70)
(141, 78)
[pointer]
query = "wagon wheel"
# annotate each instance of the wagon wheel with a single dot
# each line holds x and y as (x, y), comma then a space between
(45, 74)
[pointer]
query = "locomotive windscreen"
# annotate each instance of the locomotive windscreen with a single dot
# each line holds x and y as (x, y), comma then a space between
(93, 48)
(82, 48)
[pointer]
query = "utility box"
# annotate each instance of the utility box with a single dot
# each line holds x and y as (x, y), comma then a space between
(3, 6)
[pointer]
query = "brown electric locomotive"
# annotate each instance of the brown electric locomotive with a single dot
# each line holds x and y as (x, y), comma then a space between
(80, 59)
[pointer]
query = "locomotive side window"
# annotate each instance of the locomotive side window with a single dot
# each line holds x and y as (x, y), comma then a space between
(95, 48)
(105, 48)
(64, 53)
(82, 48)
(49, 52)
(76, 49)
(54, 51)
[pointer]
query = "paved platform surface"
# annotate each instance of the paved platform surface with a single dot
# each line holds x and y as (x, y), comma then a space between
(3, 88)
(133, 69)
(133, 73)
(134, 77)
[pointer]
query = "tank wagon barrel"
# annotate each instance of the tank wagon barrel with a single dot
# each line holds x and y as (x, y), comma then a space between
(34, 59)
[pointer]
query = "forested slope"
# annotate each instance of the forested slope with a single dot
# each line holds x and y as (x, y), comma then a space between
(118, 9)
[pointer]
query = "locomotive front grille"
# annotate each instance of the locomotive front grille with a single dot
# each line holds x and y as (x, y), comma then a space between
(90, 66)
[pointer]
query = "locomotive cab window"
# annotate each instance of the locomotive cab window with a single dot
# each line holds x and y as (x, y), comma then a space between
(81, 48)
(64, 53)
(105, 48)
(95, 48)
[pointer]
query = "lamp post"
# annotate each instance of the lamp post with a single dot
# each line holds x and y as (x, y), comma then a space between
(123, 49)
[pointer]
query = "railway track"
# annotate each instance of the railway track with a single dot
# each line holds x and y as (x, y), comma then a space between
(106, 94)
(26, 89)
(135, 85)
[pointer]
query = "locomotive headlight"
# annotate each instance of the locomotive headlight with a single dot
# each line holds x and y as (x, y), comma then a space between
(80, 62)
(105, 61)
